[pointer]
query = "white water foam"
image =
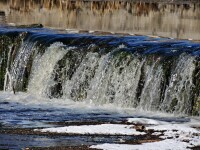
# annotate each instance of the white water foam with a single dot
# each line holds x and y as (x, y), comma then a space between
(43, 66)
(29, 99)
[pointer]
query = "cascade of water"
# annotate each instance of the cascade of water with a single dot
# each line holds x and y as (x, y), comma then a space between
(151, 92)
(41, 79)
(118, 77)
(8, 78)
(20, 63)
(117, 82)
(76, 88)
(17, 54)
(179, 92)
(155, 75)
(110, 78)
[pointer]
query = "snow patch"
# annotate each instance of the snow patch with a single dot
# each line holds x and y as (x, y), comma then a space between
(175, 136)
(179, 132)
(161, 145)
(108, 129)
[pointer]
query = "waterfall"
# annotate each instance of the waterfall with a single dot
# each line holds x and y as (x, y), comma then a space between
(178, 93)
(42, 78)
(131, 72)
(8, 79)
(116, 82)
(152, 88)
(17, 62)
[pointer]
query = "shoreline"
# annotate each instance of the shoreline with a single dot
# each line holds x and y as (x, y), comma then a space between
(146, 1)
(178, 21)
(149, 137)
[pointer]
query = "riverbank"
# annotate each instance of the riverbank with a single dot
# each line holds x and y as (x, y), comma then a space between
(158, 19)
(149, 1)
(164, 133)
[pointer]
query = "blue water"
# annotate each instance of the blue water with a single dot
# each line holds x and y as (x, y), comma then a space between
(137, 44)
(23, 114)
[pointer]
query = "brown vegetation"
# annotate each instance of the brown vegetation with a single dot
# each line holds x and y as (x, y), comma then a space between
(167, 20)
(138, 8)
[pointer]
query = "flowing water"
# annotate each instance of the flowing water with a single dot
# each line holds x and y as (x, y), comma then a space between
(47, 76)
(140, 72)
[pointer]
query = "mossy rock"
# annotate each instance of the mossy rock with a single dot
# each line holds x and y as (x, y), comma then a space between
(196, 89)
(9, 46)
(120, 56)
(196, 107)
(5, 44)
(30, 26)
(173, 105)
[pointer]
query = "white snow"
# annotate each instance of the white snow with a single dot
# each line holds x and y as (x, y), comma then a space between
(170, 127)
(182, 136)
(179, 132)
(168, 144)
(108, 129)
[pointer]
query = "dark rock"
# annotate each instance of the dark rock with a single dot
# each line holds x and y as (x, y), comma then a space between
(31, 26)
